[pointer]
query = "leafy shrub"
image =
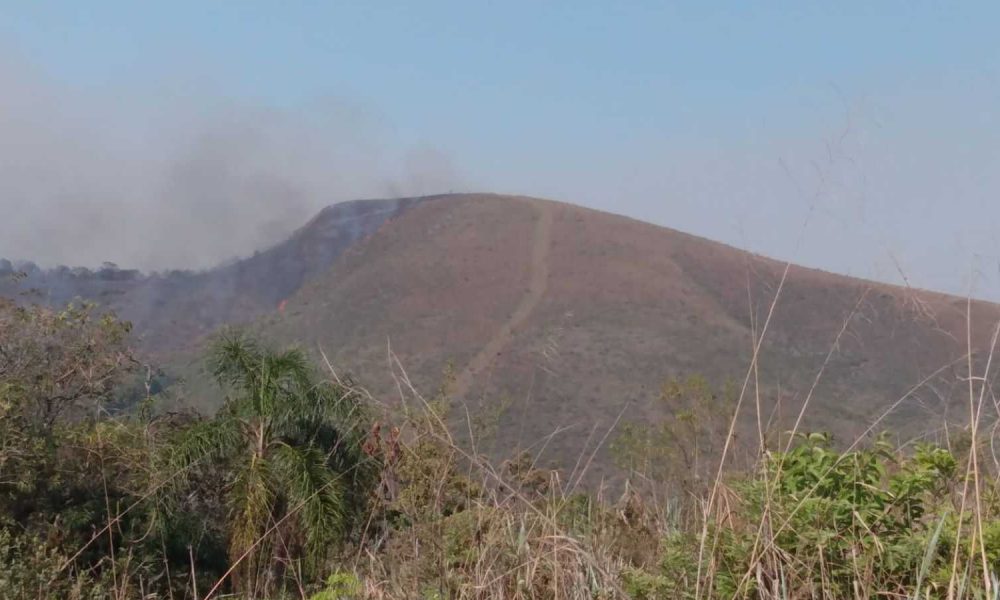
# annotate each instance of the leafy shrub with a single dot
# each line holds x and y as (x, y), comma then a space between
(30, 569)
(839, 521)
(339, 586)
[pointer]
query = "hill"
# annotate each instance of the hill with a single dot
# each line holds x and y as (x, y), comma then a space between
(554, 316)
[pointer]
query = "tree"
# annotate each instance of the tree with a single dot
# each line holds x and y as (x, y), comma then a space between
(290, 446)
(55, 368)
(56, 364)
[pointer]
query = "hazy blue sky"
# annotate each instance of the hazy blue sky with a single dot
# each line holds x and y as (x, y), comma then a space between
(856, 137)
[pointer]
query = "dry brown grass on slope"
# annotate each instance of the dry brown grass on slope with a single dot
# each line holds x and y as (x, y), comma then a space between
(626, 304)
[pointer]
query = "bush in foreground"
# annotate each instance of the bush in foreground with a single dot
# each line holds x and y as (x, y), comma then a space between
(294, 490)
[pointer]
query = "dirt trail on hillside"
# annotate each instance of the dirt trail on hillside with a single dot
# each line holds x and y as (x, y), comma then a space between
(539, 280)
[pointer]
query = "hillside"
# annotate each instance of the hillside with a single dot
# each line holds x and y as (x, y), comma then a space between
(173, 311)
(558, 316)
(553, 316)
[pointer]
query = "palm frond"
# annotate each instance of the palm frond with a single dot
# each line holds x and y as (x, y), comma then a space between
(251, 503)
(235, 359)
(176, 463)
(309, 483)
(216, 438)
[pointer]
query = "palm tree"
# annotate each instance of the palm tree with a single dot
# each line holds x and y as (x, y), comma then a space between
(290, 446)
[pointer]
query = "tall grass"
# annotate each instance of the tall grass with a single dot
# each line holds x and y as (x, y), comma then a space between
(806, 520)
(802, 519)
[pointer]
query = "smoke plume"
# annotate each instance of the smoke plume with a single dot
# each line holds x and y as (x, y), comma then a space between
(92, 176)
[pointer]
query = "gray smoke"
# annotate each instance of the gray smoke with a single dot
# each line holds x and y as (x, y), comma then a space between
(92, 176)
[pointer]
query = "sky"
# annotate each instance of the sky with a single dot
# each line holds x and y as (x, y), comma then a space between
(861, 138)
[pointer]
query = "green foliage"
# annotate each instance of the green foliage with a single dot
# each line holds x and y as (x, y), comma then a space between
(339, 586)
(641, 585)
(430, 483)
(293, 477)
(838, 519)
(277, 476)
(864, 523)
(56, 367)
(56, 364)
(682, 448)
(66, 467)
(30, 569)
(288, 447)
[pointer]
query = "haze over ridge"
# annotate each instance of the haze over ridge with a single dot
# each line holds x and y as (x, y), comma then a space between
(871, 150)
(87, 179)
